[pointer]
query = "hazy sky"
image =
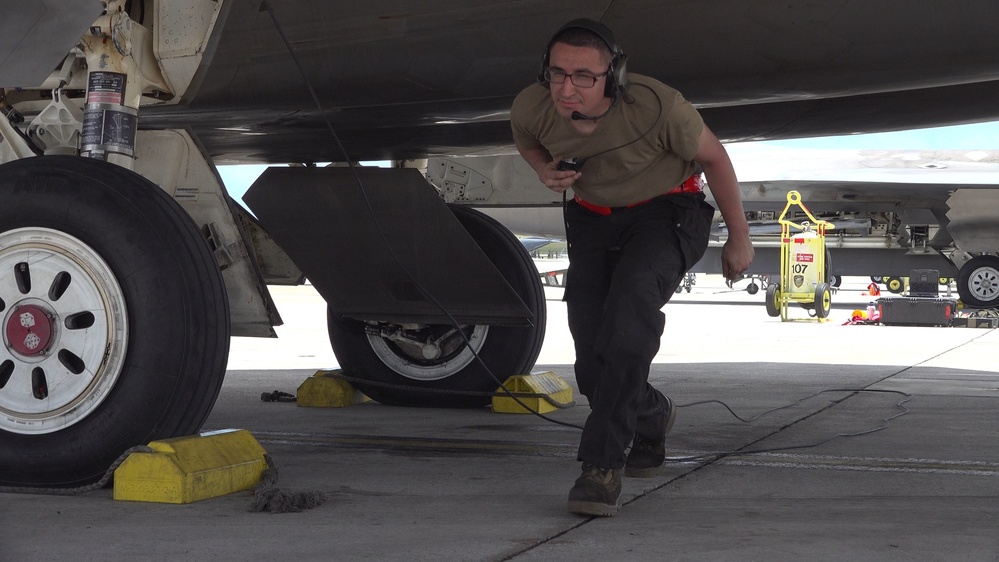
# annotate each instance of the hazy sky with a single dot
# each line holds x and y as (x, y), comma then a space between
(982, 136)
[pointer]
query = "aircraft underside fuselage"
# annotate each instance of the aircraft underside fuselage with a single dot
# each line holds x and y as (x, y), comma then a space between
(125, 267)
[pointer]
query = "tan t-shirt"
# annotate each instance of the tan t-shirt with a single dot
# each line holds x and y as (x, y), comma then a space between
(666, 126)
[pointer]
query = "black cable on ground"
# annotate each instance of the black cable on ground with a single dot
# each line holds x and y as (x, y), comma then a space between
(853, 392)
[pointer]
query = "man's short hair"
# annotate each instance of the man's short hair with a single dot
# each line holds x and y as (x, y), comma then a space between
(582, 37)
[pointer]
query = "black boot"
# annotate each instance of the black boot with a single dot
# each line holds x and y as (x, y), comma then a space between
(646, 458)
(596, 491)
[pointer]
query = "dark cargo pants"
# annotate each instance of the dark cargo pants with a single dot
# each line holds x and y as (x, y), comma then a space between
(623, 268)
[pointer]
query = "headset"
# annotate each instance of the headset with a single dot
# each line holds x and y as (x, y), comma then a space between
(617, 74)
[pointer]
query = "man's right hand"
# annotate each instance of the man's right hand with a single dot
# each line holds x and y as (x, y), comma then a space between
(555, 179)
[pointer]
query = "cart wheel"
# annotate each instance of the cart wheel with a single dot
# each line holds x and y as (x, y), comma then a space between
(835, 280)
(753, 288)
(823, 300)
(773, 300)
(895, 284)
(877, 279)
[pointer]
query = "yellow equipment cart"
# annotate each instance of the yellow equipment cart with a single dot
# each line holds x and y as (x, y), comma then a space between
(802, 266)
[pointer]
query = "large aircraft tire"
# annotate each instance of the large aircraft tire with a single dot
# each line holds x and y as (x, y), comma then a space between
(399, 375)
(115, 319)
(978, 282)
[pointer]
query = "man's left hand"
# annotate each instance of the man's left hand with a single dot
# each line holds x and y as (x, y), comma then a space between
(737, 255)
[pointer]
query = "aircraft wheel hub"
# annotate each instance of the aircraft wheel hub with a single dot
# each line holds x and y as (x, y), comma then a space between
(64, 330)
(29, 330)
(985, 282)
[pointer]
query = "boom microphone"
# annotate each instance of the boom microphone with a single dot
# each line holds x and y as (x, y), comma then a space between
(577, 116)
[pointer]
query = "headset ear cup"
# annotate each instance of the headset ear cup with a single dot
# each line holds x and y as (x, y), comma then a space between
(544, 66)
(617, 77)
(610, 86)
(621, 73)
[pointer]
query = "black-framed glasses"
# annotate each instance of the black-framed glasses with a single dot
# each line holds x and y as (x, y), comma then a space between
(556, 76)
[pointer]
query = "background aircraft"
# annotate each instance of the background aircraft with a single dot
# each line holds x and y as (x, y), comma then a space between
(893, 210)
(119, 290)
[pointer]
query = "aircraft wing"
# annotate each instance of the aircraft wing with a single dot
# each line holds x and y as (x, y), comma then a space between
(437, 78)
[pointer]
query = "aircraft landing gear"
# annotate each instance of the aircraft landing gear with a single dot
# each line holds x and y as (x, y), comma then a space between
(401, 360)
(115, 321)
(978, 282)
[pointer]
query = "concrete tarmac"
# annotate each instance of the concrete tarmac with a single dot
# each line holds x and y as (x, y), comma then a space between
(918, 481)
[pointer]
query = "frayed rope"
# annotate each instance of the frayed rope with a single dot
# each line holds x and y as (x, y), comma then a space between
(267, 497)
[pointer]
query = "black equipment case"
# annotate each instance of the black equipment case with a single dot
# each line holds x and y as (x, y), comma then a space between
(916, 311)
